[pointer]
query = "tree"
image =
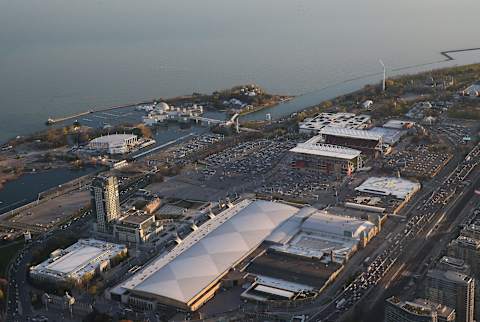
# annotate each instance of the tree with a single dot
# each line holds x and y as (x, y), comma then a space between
(87, 277)
(157, 177)
(96, 316)
(327, 104)
(143, 131)
(92, 290)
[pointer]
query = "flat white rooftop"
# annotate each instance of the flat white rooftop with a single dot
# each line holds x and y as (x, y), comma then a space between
(389, 136)
(389, 186)
(350, 133)
(82, 257)
(281, 284)
(398, 124)
(209, 252)
(326, 150)
(274, 291)
(318, 245)
(336, 225)
(321, 235)
(76, 259)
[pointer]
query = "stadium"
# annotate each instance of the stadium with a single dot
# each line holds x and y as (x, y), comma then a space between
(368, 142)
(326, 158)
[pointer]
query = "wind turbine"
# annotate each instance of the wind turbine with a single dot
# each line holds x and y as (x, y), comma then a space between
(384, 75)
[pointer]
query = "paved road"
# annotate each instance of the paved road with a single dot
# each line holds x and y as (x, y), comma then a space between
(425, 258)
(429, 213)
(19, 303)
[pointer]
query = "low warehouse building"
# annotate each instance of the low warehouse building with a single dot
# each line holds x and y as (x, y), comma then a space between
(340, 227)
(265, 289)
(319, 234)
(383, 194)
(79, 261)
(389, 186)
(389, 136)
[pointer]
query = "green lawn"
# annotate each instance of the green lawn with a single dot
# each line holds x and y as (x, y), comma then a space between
(7, 252)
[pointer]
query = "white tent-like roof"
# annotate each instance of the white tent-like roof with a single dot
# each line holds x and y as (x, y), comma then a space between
(207, 253)
(113, 139)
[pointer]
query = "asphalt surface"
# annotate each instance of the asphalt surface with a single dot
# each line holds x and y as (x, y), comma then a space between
(405, 281)
(424, 218)
(428, 214)
(19, 302)
(18, 294)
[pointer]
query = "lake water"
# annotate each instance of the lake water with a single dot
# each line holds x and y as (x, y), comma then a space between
(27, 187)
(58, 57)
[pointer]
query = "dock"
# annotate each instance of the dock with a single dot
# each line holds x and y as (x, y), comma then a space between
(447, 52)
(52, 121)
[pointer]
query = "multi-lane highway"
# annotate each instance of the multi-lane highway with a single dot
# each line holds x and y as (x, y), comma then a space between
(427, 216)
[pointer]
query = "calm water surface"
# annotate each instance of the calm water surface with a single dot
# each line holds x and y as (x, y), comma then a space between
(27, 187)
(58, 57)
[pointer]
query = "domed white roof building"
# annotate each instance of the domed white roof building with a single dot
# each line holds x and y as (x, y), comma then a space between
(114, 143)
(162, 107)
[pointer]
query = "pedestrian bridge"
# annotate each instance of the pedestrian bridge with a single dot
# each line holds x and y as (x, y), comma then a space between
(232, 121)
(209, 121)
(206, 120)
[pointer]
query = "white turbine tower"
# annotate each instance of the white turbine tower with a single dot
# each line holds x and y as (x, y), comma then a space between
(384, 75)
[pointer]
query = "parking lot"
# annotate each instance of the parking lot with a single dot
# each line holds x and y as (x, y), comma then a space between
(50, 212)
(301, 184)
(183, 151)
(418, 161)
(181, 154)
(248, 159)
(456, 134)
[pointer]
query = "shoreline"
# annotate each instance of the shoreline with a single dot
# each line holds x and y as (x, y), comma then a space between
(9, 178)
(5, 180)
(285, 99)
(445, 54)
(11, 203)
(395, 73)
(277, 99)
